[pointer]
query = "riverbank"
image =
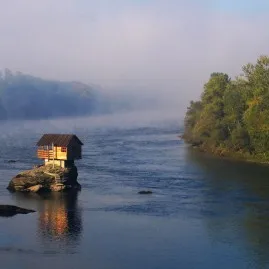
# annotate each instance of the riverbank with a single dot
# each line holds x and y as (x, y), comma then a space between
(226, 153)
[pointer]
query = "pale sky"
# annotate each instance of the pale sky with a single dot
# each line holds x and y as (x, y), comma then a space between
(164, 47)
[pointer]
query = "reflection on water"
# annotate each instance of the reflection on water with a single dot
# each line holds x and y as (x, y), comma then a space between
(238, 194)
(59, 219)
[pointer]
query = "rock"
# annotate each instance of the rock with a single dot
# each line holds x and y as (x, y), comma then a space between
(11, 161)
(145, 192)
(45, 178)
(35, 188)
(57, 187)
(11, 210)
(38, 165)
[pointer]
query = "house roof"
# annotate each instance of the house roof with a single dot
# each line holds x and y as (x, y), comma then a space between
(62, 140)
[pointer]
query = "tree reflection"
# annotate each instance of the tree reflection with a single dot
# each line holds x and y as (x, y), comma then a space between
(238, 195)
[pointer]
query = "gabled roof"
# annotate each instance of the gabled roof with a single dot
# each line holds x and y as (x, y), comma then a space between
(61, 140)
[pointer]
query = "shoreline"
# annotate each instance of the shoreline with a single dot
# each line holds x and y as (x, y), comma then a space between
(228, 155)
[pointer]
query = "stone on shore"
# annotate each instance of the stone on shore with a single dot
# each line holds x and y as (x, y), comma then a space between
(45, 178)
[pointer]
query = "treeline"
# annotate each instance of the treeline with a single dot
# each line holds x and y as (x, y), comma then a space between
(232, 116)
(27, 97)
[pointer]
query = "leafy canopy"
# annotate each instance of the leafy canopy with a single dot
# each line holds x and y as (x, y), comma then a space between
(233, 114)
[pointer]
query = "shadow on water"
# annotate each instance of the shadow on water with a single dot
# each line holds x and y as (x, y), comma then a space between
(238, 194)
(59, 217)
(222, 174)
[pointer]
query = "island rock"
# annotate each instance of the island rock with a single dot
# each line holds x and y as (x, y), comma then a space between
(45, 178)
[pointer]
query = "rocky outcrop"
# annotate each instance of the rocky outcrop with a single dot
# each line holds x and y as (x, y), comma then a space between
(11, 210)
(11, 161)
(145, 192)
(45, 178)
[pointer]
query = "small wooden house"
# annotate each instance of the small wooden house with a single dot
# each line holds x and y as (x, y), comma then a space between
(59, 149)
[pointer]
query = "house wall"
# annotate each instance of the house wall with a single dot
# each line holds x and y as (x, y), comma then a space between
(58, 154)
(74, 152)
(71, 153)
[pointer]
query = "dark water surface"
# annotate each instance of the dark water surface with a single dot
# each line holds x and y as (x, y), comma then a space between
(204, 213)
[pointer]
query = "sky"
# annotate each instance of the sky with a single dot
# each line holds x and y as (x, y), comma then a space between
(166, 48)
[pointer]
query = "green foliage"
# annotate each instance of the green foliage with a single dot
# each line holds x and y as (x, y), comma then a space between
(233, 115)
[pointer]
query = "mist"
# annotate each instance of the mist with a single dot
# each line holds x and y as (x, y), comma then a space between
(157, 54)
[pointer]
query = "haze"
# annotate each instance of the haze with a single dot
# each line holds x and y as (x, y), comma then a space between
(166, 49)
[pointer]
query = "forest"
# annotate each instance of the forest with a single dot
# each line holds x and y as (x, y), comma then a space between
(232, 116)
(27, 97)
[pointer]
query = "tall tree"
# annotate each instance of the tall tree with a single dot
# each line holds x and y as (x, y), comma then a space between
(233, 114)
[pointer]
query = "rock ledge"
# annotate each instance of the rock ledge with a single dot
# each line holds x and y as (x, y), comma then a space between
(45, 178)
(145, 192)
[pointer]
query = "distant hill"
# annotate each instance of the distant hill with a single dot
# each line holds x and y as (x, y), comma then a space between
(27, 97)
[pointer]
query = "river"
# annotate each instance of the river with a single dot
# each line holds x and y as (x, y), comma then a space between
(204, 212)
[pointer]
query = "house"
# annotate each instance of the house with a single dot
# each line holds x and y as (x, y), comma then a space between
(59, 149)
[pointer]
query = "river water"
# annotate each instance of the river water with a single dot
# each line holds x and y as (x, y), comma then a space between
(204, 212)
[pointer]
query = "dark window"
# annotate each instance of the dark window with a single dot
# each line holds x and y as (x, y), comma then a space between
(63, 149)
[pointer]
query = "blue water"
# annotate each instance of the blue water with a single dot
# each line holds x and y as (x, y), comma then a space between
(204, 212)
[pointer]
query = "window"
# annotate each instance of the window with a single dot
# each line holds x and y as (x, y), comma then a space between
(50, 147)
(63, 149)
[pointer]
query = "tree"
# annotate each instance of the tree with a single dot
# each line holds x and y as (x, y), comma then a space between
(233, 114)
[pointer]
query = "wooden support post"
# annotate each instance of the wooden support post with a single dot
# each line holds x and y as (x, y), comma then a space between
(53, 154)
(48, 156)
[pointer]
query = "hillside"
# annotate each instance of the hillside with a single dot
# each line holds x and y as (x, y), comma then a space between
(232, 116)
(27, 97)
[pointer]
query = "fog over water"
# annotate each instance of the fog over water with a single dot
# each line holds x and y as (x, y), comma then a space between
(164, 49)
